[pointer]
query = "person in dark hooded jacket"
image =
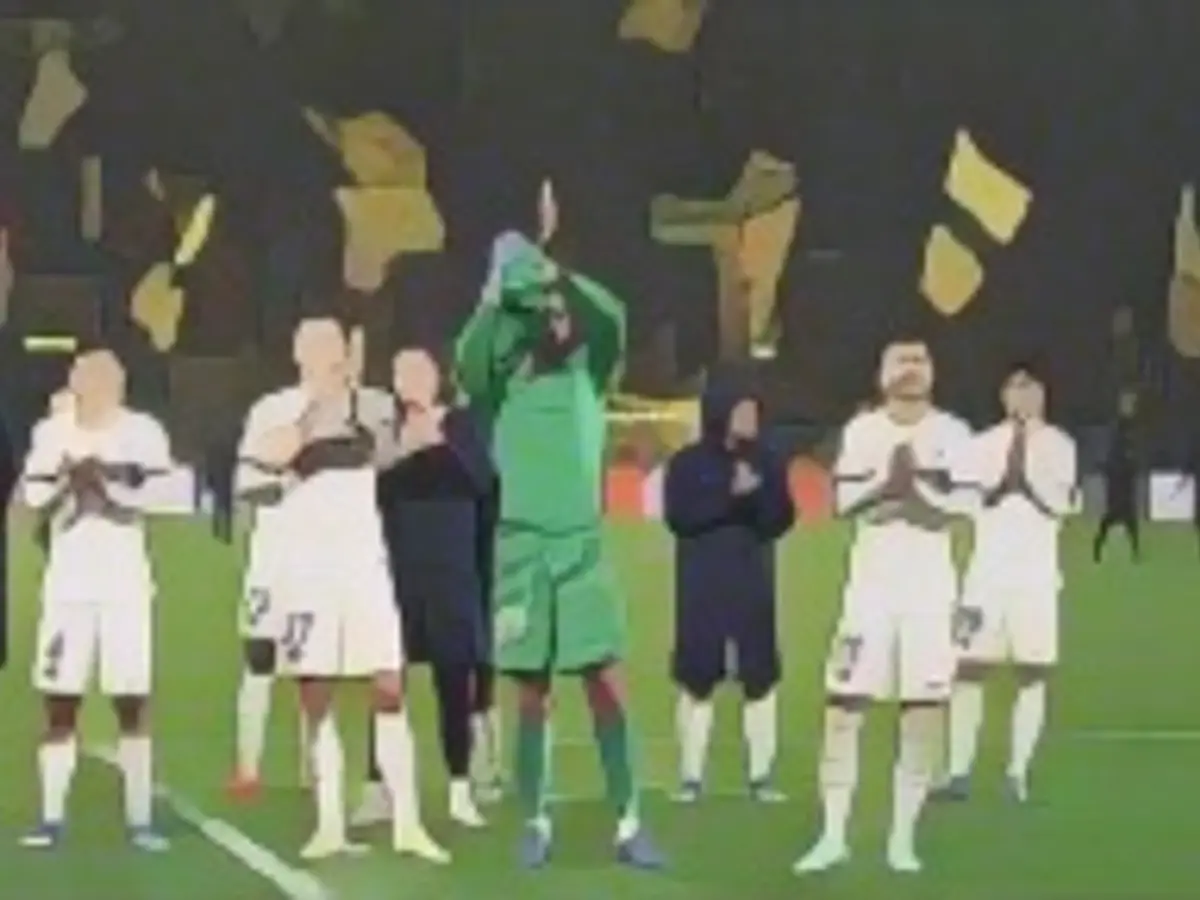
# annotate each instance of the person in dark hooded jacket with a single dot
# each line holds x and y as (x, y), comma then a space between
(726, 501)
(437, 500)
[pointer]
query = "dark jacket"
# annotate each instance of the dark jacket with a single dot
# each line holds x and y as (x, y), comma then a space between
(725, 544)
(439, 514)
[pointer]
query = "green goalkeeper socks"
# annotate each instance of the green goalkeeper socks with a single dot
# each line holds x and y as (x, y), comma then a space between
(531, 768)
(616, 756)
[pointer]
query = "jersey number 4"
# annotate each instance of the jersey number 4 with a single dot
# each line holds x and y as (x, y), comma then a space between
(296, 631)
(52, 657)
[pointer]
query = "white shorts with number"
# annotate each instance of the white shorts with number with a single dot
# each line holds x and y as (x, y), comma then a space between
(341, 622)
(75, 639)
(893, 643)
(1000, 622)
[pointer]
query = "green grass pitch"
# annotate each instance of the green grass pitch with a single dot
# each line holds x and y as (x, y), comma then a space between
(1117, 788)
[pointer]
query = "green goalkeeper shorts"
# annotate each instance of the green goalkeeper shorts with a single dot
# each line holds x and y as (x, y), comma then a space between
(557, 606)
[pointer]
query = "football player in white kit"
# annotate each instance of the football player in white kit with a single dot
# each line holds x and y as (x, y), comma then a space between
(1009, 609)
(87, 465)
(333, 591)
(902, 476)
(260, 488)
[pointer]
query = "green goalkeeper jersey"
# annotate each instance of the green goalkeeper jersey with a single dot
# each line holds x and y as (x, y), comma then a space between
(548, 427)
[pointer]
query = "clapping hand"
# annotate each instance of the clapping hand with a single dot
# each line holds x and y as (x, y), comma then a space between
(85, 477)
(280, 445)
(745, 479)
(901, 472)
(420, 430)
(1013, 479)
(85, 480)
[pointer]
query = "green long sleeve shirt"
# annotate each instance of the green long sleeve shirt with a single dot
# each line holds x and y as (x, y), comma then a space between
(548, 428)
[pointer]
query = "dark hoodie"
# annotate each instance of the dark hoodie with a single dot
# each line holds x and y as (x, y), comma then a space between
(724, 549)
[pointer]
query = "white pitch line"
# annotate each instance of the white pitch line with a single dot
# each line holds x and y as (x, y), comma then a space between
(1134, 735)
(292, 883)
(1099, 735)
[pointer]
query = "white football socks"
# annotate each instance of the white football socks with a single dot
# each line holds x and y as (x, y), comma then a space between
(760, 731)
(56, 762)
(1028, 717)
(920, 733)
(329, 772)
(135, 754)
(693, 723)
(966, 717)
(253, 710)
(396, 757)
(486, 751)
(839, 771)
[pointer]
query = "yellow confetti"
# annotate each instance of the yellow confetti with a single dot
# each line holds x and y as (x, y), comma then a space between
(995, 198)
(952, 274)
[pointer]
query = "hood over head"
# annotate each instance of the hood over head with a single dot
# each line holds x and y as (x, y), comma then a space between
(722, 392)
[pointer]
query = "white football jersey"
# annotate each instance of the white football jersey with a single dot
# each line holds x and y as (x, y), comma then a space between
(897, 549)
(94, 559)
(1015, 538)
(331, 512)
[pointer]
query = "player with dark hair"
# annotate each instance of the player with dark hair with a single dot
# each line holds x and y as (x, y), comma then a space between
(1009, 611)
(726, 501)
(539, 356)
(437, 499)
(902, 475)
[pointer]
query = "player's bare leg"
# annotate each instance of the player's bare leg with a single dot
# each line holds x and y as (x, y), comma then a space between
(1028, 718)
(606, 698)
(253, 712)
(966, 718)
(329, 771)
(838, 776)
(921, 734)
(135, 756)
(57, 758)
(530, 772)
(398, 765)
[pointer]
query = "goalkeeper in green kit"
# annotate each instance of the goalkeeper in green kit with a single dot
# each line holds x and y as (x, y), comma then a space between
(538, 357)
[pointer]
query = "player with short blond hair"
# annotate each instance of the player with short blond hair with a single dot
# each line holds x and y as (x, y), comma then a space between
(87, 467)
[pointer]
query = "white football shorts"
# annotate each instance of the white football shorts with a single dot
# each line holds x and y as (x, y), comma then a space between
(340, 622)
(75, 639)
(894, 641)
